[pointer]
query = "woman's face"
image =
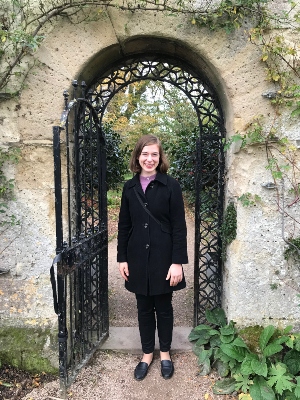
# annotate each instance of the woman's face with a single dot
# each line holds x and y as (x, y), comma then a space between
(149, 159)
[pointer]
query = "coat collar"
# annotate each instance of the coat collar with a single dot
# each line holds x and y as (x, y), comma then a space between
(135, 181)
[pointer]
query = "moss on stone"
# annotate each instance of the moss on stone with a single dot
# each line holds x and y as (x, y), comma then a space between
(27, 348)
(250, 335)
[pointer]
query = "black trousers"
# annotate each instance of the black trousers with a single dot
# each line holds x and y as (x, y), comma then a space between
(151, 310)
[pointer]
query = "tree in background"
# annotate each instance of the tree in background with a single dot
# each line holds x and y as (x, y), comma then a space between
(116, 156)
(161, 109)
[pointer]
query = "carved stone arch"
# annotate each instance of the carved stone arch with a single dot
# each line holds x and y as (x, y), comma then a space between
(102, 61)
(81, 291)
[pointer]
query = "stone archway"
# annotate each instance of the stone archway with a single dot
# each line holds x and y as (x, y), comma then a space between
(82, 301)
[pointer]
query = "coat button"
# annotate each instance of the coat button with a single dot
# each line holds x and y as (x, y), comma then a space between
(146, 204)
(146, 225)
(147, 246)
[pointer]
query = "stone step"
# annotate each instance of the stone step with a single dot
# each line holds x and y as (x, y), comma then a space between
(127, 340)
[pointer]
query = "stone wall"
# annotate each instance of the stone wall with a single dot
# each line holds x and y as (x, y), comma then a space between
(255, 263)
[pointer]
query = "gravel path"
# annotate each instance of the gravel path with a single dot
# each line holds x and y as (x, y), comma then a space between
(109, 377)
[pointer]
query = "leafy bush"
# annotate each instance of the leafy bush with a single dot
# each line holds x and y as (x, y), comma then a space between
(117, 158)
(269, 370)
(183, 156)
(184, 162)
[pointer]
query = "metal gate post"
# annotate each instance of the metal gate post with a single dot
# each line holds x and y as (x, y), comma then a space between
(62, 330)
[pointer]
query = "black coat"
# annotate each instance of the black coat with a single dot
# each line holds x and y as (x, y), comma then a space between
(150, 248)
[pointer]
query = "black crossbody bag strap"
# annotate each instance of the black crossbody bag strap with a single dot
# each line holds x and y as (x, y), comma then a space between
(145, 208)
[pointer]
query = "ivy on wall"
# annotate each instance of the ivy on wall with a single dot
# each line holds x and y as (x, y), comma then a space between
(24, 25)
(228, 228)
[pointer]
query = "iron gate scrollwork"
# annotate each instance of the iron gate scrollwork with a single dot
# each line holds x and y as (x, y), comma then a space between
(80, 286)
(209, 160)
(81, 290)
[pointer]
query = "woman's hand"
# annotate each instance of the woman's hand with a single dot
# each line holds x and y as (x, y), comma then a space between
(175, 274)
(124, 271)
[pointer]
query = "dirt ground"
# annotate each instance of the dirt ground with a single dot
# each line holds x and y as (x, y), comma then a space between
(109, 375)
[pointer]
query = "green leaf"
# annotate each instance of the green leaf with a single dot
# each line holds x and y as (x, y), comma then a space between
(271, 349)
(242, 382)
(197, 349)
(296, 112)
(213, 332)
(227, 338)
(297, 343)
(193, 336)
(239, 343)
(289, 396)
(220, 355)
(204, 354)
(297, 388)
(201, 327)
(260, 390)
(281, 339)
(292, 361)
(216, 316)
(233, 365)
(265, 336)
(228, 329)
(259, 367)
(280, 378)
(246, 367)
(290, 342)
(205, 367)
(287, 329)
(215, 341)
(224, 386)
(203, 337)
(222, 368)
(196, 332)
(237, 353)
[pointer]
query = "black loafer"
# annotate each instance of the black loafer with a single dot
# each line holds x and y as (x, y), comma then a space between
(141, 370)
(167, 369)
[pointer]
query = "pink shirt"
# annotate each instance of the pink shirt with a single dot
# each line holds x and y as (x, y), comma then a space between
(145, 180)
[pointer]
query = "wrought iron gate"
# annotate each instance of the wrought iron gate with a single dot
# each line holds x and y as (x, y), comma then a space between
(209, 162)
(80, 286)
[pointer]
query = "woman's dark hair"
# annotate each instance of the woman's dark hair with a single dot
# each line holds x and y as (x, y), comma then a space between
(148, 140)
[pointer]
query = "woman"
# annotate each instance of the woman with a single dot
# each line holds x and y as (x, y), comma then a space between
(152, 248)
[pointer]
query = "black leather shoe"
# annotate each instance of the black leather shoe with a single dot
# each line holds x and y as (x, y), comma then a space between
(141, 370)
(167, 369)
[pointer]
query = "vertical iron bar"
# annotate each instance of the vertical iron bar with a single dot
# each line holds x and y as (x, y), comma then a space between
(92, 224)
(62, 330)
(77, 160)
(197, 232)
(221, 180)
(66, 96)
(57, 189)
(71, 318)
(102, 195)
